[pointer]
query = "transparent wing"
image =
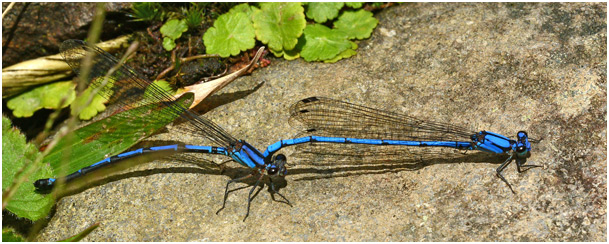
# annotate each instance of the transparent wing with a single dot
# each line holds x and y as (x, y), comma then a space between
(329, 117)
(123, 85)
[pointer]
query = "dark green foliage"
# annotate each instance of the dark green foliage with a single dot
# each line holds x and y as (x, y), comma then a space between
(282, 27)
(147, 11)
(194, 16)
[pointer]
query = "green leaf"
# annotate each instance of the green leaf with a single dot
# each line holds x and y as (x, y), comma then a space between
(323, 43)
(96, 105)
(171, 31)
(356, 24)
(174, 28)
(288, 55)
(354, 4)
(82, 234)
(323, 11)
(230, 34)
(279, 24)
(111, 135)
(291, 54)
(344, 54)
(156, 87)
(243, 8)
(168, 43)
(17, 157)
(10, 235)
(47, 96)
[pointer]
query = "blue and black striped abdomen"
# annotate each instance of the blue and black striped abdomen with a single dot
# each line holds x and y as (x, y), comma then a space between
(343, 140)
(48, 184)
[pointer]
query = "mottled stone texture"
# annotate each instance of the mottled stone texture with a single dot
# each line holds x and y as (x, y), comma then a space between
(502, 67)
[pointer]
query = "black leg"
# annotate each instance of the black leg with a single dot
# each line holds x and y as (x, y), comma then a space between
(249, 197)
(275, 191)
(501, 168)
(523, 168)
(226, 190)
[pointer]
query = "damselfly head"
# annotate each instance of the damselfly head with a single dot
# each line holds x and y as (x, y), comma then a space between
(277, 166)
(531, 140)
(523, 145)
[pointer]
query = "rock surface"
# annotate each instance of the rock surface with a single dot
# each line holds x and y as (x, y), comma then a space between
(498, 67)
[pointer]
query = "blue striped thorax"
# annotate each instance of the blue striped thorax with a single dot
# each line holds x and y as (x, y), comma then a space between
(495, 143)
(247, 155)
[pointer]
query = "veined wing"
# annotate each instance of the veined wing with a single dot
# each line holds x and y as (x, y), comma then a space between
(123, 85)
(329, 117)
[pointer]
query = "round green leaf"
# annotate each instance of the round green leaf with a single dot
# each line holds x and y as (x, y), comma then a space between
(356, 24)
(230, 34)
(96, 105)
(323, 11)
(47, 96)
(174, 28)
(244, 8)
(279, 24)
(168, 43)
(97, 102)
(354, 4)
(344, 54)
(291, 54)
(323, 43)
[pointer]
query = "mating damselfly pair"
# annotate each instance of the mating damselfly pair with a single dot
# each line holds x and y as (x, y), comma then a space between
(326, 120)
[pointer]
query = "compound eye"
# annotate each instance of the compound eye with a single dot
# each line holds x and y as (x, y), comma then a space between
(272, 171)
(520, 149)
(522, 134)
